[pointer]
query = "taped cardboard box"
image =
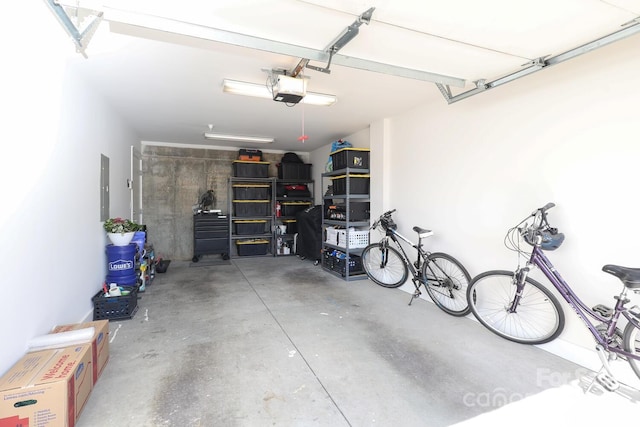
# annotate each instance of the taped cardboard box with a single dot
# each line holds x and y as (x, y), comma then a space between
(47, 388)
(99, 343)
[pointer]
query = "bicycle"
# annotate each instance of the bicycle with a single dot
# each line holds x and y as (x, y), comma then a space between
(444, 278)
(516, 307)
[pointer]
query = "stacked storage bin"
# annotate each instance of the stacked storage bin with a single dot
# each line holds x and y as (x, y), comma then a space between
(251, 204)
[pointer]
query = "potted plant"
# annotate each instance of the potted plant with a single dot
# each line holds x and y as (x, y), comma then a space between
(120, 231)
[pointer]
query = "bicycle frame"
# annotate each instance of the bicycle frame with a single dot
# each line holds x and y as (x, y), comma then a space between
(539, 259)
(414, 269)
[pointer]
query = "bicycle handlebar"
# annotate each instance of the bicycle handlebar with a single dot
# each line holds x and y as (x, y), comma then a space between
(384, 219)
(540, 216)
(540, 230)
(548, 206)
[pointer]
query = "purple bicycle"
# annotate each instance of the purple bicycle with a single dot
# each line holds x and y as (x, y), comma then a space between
(520, 309)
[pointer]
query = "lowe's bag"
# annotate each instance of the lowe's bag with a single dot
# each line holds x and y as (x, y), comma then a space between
(335, 146)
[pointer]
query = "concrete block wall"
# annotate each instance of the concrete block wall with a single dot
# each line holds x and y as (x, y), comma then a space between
(173, 179)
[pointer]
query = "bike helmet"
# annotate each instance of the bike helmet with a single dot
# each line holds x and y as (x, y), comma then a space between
(388, 223)
(551, 241)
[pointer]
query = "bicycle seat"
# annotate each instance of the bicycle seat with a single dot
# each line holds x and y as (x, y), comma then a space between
(422, 232)
(629, 276)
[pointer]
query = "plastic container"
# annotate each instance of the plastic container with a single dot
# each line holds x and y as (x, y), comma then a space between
(252, 247)
(292, 225)
(250, 191)
(358, 211)
(244, 227)
(331, 235)
(337, 261)
(162, 265)
(350, 158)
(248, 208)
(247, 169)
(358, 184)
(296, 171)
(121, 263)
(292, 208)
(356, 239)
(115, 307)
(250, 155)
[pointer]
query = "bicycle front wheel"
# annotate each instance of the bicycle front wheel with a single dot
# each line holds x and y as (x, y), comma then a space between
(631, 340)
(446, 281)
(538, 318)
(384, 265)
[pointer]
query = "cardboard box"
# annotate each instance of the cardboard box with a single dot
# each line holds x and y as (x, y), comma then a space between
(47, 388)
(99, 344)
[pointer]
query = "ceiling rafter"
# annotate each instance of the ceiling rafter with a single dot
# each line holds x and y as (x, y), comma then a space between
(80, 37)
(243, 40)
(632, 28)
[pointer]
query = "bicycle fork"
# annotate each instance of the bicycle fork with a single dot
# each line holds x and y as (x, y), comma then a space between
(519, 279)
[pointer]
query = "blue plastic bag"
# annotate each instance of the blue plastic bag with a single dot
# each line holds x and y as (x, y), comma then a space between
(335, 146)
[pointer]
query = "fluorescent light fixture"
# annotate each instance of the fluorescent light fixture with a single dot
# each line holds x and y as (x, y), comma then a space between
(262, 91)
(238, 138)
(321, 99)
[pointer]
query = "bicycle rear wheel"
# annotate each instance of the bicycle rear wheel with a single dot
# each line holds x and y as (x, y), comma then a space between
(631, 341)
(538, 318)
(384, 265)
(446, 281)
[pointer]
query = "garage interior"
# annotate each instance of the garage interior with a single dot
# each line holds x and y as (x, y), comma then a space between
(475, 114)
(255, 348)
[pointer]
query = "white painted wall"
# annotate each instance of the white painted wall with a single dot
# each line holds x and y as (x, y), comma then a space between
(473, 169)
(52, 244)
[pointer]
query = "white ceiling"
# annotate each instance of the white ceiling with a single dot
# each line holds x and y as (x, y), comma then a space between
(156, 63)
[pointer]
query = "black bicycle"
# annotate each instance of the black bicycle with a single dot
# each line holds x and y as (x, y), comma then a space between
(444, 277)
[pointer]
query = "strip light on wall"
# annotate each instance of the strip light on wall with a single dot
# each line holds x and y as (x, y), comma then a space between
(262, 91)
(238, 138)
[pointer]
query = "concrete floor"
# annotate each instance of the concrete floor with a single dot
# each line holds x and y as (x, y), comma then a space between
(279, 341)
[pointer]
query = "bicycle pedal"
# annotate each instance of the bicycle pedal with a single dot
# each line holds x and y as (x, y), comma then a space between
(607, 381)
(603, 310)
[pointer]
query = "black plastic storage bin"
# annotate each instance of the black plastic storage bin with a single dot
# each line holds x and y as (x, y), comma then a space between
(256, 226)
(115, 308)
(252, 247)
(294, 171)
(246, 169)
(358, 184)
(292, 191)
(350, 158)
(292, 225)
(358, 211)
(251, 191)
(247, 208)
(292, 208)
(337, 261)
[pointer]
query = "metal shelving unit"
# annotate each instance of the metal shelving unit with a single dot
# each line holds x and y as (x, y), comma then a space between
(352, 254)
(290, 221)
(267, 215)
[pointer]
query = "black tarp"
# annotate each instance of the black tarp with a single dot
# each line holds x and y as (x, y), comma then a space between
(309, 243)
